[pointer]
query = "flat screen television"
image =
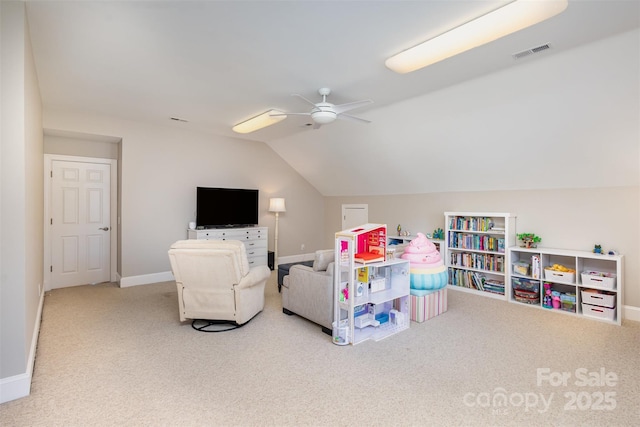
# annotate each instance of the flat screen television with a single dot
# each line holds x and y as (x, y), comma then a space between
(226, 207)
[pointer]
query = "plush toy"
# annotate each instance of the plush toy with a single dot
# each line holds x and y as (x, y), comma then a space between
(597, 249)
(428, 272)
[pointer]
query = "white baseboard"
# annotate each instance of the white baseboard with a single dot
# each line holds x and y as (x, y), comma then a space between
(18, 386)
(146, 279)
(630, 312)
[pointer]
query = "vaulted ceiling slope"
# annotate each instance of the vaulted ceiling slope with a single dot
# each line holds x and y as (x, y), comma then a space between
(217, 63)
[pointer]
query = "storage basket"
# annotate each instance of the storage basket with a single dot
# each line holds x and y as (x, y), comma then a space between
(527, 297)
(600, 279)
(525, 284)
(600, 298)
(568, 302)
(559, 276)
(521, 268)
(598, 312)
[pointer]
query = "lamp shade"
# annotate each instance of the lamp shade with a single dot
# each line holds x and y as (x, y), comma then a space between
(276, 205)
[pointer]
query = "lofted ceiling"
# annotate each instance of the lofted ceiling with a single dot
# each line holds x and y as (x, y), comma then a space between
(217, 63)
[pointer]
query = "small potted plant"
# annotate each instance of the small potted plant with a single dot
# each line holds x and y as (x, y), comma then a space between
(529, 240)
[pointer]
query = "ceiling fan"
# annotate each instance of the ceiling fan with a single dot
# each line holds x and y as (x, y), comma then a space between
(325, 112)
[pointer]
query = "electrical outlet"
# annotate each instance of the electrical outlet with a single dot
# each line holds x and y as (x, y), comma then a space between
(302, 247)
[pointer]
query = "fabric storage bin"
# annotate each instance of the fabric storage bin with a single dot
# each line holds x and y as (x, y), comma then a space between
(597, 278)
(425, 307)
(595, 297)
(598, 312)
(525, 284)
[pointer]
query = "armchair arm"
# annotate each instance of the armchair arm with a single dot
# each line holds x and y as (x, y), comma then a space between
(255, 276)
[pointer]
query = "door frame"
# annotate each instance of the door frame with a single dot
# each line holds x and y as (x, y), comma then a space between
(113, 200)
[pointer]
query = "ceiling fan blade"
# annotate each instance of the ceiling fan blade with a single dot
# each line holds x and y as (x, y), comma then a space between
(304, 99)
(350, 105)
(290, 114)
(352, 118)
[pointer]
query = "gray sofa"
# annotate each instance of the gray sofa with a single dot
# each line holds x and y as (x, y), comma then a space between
(308, 291)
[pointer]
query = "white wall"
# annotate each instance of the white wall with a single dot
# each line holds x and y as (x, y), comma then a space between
(162, 166)
(21, 222)
(82, 146)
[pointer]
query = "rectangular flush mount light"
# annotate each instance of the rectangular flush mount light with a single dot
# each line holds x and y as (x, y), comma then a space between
(508, 19)
(258, 122)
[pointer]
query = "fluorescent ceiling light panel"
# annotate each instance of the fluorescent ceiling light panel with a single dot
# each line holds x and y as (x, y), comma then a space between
(258, 122)
(510, 18)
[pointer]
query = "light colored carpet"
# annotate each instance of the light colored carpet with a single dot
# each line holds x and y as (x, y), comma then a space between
(110, 356)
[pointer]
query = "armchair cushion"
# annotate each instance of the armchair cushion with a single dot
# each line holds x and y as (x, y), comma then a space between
(322, 259)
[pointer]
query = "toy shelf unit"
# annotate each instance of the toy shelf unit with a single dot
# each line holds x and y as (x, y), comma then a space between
(396, 244)
(578, 283)
(475, 251)
(371, 296)
(404, 240)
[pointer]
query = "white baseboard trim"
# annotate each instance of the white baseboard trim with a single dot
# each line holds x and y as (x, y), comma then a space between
(631, 313)
(146, 279)
(18, 386)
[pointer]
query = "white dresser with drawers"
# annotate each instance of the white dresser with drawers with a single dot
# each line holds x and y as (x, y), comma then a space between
(254, 239)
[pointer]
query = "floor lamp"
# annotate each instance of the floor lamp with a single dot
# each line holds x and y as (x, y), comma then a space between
(276, 205)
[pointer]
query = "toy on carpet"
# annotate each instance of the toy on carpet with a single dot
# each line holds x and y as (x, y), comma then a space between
(428, 272)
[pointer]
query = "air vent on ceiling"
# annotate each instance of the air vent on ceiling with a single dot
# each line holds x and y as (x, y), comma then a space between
(531, 51)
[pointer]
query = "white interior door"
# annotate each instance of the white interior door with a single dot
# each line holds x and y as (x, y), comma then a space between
(354, 215)
(80, 220)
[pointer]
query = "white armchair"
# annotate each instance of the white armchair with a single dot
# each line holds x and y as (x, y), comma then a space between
(215, 282)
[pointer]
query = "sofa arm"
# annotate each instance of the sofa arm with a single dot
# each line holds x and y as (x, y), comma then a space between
(309, 294)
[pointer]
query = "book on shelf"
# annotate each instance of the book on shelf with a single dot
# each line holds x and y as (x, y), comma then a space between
(535, 267)
(478, 281)
(494, 286)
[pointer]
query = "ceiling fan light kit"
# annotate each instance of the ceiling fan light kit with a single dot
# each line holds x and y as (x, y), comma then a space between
(323, 116)
(263, 120)
(506, 20)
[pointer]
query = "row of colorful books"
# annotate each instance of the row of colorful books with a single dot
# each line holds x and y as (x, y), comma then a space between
(476, 242)
(476, 260)
(471, 223)
(475, 280)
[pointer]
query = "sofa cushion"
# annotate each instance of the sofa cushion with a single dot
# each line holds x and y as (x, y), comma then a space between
(322, 259)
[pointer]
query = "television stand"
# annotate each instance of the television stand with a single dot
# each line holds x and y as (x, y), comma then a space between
(254, 239)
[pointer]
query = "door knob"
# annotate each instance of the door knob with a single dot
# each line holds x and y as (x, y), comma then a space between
(104, 228)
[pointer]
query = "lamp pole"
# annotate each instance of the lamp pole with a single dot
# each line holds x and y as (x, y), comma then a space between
(276, 205)
(275, 252)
